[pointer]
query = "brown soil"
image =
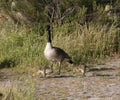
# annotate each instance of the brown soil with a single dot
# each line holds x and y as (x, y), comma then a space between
(102, 82)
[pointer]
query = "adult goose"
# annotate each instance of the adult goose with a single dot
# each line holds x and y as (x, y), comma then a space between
(54, 53)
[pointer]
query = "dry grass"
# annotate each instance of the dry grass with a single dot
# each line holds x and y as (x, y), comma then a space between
(18, 89)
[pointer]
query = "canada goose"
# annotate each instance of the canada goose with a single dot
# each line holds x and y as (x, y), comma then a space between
(54, 53)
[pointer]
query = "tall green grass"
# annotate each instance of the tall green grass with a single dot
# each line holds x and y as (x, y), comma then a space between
(88, 42)
(84, 43)
(18, 47)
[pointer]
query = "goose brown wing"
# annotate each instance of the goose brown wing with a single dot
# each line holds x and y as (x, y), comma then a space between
(61, 53)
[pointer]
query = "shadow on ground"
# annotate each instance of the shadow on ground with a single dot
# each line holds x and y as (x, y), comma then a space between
(100, 69)
(7, 64)
(60, 76)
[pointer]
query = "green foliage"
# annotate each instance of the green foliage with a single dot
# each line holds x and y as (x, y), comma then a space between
(89, 42)
(21, 48)
(85, 40)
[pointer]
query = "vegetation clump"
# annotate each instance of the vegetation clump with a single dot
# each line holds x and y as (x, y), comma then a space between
(83, 28)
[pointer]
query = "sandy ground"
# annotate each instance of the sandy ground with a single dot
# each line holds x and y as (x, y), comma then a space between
(102, 82)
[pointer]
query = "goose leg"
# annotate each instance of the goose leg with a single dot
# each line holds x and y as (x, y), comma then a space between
(59, 71)
(51, 67)
(44, 75)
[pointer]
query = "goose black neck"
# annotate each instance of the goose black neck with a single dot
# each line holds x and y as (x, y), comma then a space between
(49, 36)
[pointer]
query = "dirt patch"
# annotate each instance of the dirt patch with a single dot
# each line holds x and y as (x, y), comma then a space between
(102, 82)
